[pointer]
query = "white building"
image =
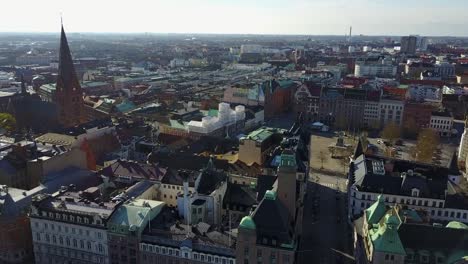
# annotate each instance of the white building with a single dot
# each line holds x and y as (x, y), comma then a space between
(423, 187)
(226, 117)
(463, 149)
(67, 228)
(176, 63)
(372, 113)
(391, 111)
(372, 67)
(422, 93)
(251, 48)
(205, 203)
(442, 122)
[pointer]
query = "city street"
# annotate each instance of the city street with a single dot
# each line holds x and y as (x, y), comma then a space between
(326, 237)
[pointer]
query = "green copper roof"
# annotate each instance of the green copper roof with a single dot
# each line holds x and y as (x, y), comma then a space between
(261, 134)
(270, 195)
(457, 256)
(247, 223)
(287, 160)
(285, 83)
(457, 225)
(385, 237)
(134, 215)
(376, 211)
(213, 112)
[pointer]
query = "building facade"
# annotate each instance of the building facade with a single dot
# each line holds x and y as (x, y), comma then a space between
(442, 122)
(391, 111)
(67, 229)
(414, 185)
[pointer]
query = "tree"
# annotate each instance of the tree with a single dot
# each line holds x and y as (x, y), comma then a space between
(410, 128)
(323, 157)
(364, 140)
(344, 162)
(7, 122)
(427, 143)
(391, 132)
(341, 121)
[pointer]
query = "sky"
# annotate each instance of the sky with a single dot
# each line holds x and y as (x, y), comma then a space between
(310, 17)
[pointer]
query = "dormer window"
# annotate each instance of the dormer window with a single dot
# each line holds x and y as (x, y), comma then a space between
(415, 192)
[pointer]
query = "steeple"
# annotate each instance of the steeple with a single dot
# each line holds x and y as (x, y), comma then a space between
(359, 150)
(453, 165)
(68, 93)
(23, 85)
(67, 78)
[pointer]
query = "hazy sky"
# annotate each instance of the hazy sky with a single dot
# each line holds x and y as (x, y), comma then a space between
(369, 17)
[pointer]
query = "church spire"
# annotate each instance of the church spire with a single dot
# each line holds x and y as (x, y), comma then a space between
(67, 78)
(68, 93)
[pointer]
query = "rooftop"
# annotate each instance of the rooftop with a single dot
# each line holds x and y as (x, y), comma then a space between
(261, 134)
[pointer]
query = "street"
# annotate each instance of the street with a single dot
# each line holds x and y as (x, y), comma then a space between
(325, 237)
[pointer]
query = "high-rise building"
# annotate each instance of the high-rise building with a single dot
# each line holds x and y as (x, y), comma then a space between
(68, 94)
(408, 44)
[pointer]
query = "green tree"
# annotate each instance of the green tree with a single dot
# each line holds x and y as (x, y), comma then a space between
(391, 132)
(7, 122)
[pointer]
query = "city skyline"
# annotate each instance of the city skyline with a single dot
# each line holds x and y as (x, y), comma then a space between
(297, 17)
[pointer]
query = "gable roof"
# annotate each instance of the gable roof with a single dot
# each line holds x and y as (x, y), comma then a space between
(385, 237)
(376, 211)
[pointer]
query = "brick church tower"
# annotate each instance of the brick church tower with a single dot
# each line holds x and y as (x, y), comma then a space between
(68, 93)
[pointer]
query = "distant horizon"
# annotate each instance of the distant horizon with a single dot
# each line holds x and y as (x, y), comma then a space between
(239, 17)
(227, 34)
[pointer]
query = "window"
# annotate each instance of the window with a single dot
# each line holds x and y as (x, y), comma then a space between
(38, 236)
(273, 258)
(100, 248)
(386, 257)
(67, 240)
(47, 237)
(61, 240)
(75, 243)
(81, 244)
(89, 245)
(392, 257)
(45, 225)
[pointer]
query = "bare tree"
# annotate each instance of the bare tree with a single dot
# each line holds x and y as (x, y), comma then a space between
(391, 132)
(427, 143)
(344, 162)
(323, 157)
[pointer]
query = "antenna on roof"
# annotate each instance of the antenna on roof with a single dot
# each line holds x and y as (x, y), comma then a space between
(61, 19)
